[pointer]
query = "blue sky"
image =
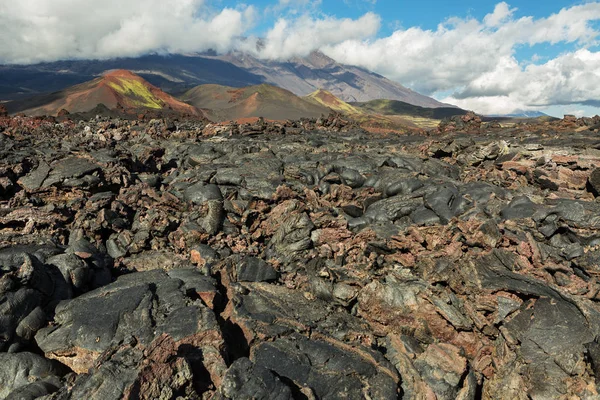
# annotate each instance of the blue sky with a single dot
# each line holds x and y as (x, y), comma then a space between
(428, 15)
(488, 56)
(424, 13)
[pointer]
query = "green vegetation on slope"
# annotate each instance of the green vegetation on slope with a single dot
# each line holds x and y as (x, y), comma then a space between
(329, 100)
(395, 107)
(263, 100)
(371, 117)
(137, 92)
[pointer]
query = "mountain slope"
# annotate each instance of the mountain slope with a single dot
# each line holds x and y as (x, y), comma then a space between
(117, 89)
(329, 100)
(271, 102)
(317, 71)
(520, 114)
(394, 107)
(370, 119)
(171, 73)
(178, 73)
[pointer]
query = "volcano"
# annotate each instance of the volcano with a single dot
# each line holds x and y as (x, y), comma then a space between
(117, 90)
(222, 103)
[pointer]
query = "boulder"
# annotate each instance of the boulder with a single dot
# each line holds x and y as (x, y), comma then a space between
(144, 306)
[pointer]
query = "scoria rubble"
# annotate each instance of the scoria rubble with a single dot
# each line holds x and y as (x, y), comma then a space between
(171, 259)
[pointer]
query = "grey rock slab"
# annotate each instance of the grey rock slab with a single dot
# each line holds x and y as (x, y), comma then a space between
(163, 369)
(446, 202)
(403, 186)
(293, 235)
(436, 168)
(24, 307)
(21, 369)
(230, 176)
(506, 306)
(490, 273)
(259, 188)
(252, 269)
(519, 207)
(360, 164)
(204, 254)
(411, 164)
(155, 260)
(552, 334)
(552, 328)
(424, 216)
(35, 390)
(114, 248)
(556, 327)
(70, 167)
(593, 182)
(268, 311)
(328, 371)
(200, 193)
(143, 305)
(35, 178)
(352, 177)
(392, 208)
(245, 380)
(589, 262)
(482, 192)
(12, 257)
(74, 270)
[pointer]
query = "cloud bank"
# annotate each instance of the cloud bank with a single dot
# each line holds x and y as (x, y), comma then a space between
(468, 62)
(475, 60)
(298, 38)
(47, 30)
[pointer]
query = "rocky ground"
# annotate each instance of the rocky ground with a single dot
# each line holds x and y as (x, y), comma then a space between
(176, 260)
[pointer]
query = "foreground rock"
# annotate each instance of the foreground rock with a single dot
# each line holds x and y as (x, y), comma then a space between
(165, 259)
(140, 320)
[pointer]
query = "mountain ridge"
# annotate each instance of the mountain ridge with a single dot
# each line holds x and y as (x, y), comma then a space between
(326, 98)
(178, 73)
(271, 102)
(116, 89)
(397, 107)
(520, 114)
(303, 75)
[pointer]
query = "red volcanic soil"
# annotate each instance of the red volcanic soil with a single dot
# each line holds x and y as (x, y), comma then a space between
(328, 98)
(118, 89)
(271, 102)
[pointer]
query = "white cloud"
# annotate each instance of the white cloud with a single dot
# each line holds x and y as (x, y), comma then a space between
(571, 78)
(577, 113)
(476, 59)
(47, 30)
(470, 62)
(501, 13)
(41, 30)
(290, 38)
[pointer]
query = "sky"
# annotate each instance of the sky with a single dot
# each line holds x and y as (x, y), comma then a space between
(492, 57)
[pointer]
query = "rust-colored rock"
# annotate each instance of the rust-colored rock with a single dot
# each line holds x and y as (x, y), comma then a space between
(167, 258)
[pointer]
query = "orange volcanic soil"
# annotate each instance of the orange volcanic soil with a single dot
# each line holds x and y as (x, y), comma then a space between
(119, 89)
(271, 102)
